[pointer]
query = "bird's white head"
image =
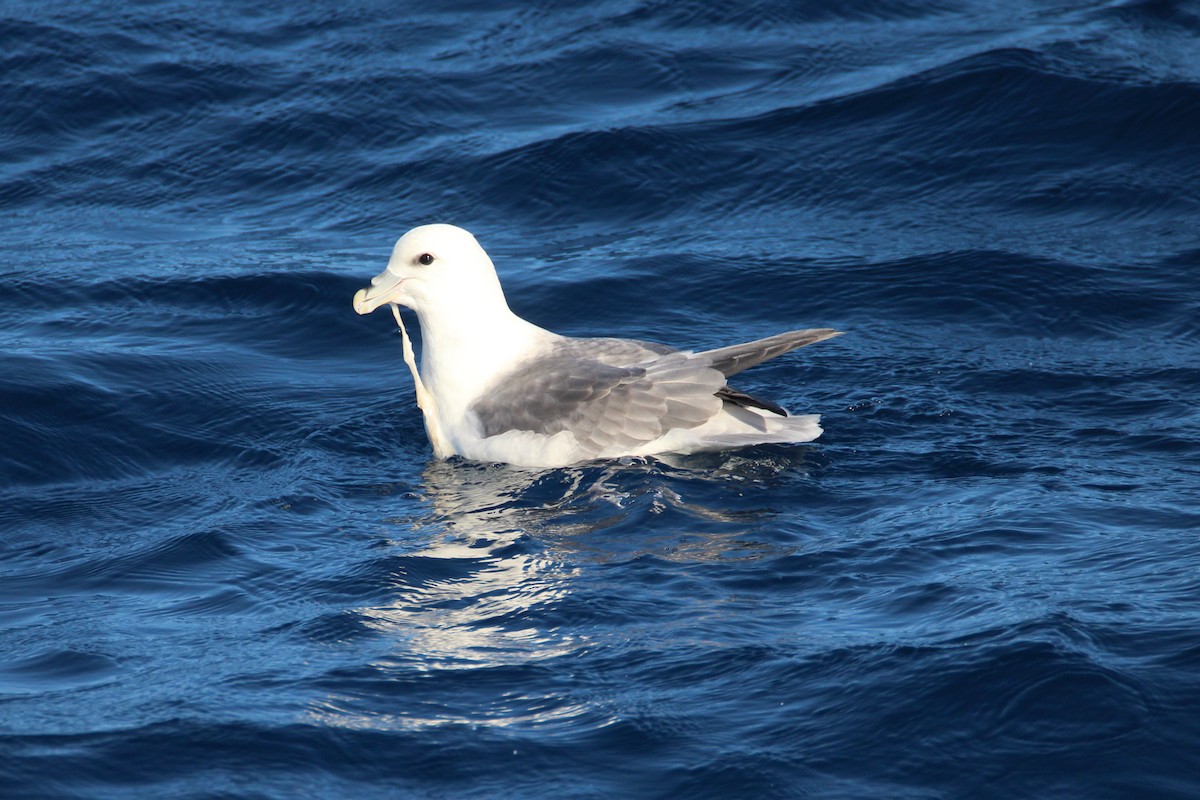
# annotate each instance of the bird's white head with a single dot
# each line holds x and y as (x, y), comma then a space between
(436, 269)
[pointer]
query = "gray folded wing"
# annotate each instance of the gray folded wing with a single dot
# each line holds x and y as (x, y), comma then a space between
(606, 392)
(737, 357)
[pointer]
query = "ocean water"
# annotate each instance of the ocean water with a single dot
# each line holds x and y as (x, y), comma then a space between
(230, 566)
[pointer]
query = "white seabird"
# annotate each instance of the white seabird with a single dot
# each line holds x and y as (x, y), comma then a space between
(494, 387)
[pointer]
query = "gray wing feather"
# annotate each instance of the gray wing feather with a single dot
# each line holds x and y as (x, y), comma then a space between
(615, 352)
(735, 358)
(743, 400)
(590, 388)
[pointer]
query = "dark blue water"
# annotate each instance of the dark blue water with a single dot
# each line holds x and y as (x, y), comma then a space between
(229, 566)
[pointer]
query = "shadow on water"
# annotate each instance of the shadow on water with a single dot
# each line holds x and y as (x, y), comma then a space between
(680, 507)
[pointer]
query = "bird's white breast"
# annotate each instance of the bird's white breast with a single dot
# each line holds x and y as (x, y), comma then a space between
(458, 367)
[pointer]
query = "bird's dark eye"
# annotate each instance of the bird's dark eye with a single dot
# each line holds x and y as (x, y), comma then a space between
(425, 258)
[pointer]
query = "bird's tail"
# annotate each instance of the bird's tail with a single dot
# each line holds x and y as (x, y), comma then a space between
(803, 428)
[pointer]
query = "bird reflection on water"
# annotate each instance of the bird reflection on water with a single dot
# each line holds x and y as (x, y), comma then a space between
(506, 571)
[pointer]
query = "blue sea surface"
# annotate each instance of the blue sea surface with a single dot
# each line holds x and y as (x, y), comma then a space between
(231, 567)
